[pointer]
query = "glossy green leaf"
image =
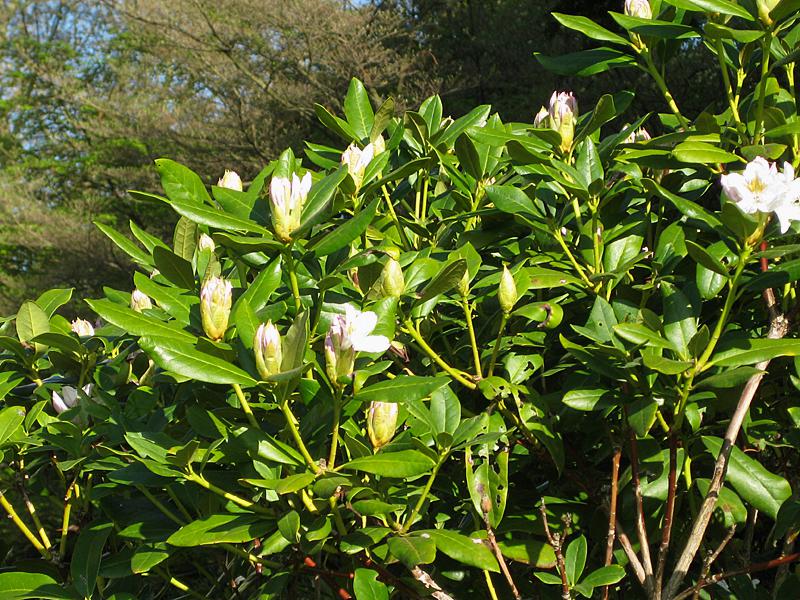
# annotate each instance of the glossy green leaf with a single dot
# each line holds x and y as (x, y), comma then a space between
(138, 255)
(589, 28)
(403, 388)
(473, 552)
(180, 183)
(183, 359)
(445, 280)
(31, 321)
(85, 564)
(358, 110)
(184, 238)
(751, 351)
(575, 559)
(405, 463)
(11, 418)
(346, 232)
(367, 587)
(319, 198)
(175, 269)
(724, 7)
(510, 199)
(19, 585)
(216, 529)
(137, 323)
(52, 300)
(412, 550)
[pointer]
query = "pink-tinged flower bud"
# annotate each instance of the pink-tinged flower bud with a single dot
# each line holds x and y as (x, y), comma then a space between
(638, 8)
(231, 180)
(287, 198)
(563, 116)
(140, 301)
(542, 118)
(394, 284)
(507, 293)
(206, 243)
(215, 306)
(268, 351)
(357, 161)
(82, 328)
(639, 136)
(381, 423)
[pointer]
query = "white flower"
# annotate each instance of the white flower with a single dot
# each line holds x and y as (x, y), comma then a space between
(286, 200)
(231, 180)
(205, 243)
(357, 161)
(68, 397)
(788, 208)
(638, 8)
(351, 333)
(140, 301)
(563, 115)
(82, 328)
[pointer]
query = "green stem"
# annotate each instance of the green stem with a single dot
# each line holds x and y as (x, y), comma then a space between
(337, 517)
(490, 585)
(62, 544)
(204, 483)
(476, 355)
(176, 583)
(496, 349)
(412, 331)
(424, 496)
(160, 506)
(337, 415)
(425, 199)
(245, 406)
(726, 80)
(291, 266)
(9, 508)
(400, 231)
(762, 87)
(571, 258)
(662, 86)
(36, 521)
(291, 421)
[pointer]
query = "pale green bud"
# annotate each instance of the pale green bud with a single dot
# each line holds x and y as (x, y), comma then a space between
(215, 306)
(82, 328)
(463, 284)
(542, 118)
(357, 161)
(764, 8)
(563, 116)
(206, 243)
(268, 351)
(638, 8)
(507, 293)
(140, 301)
(381, 423)
(231, 180)
(393, 282)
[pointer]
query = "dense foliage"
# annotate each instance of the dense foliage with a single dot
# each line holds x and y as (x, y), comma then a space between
(443, 357)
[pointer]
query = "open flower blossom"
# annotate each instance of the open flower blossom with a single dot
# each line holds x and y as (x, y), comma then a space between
(357, 161)
(761, 188)
(82, 328)
(68, 398)
(231, 180)
(287, 198)
(351, 333)
(215, 306)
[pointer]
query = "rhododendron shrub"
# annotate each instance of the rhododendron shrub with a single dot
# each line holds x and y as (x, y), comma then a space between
(443, 357)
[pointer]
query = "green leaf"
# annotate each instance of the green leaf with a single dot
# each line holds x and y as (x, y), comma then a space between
(751, 351)
(402, 464)
(180, 183)
(403, 388)
(338, 126)
(412, 550)
(289, 526)
(367, 587)
(653, 27)
(212, 217)
(448, 136)
(138, 255)
(586, 62)
(703, 257)
(137, 323)
(703, 153)
(358, 109)
(510, 199)
(319, 197)
(466, 550)
(542, 278)
(729, 504)
(529, 552)
(575, 559)
(85, 564)
(686, 207)
(383, 117)
(183, 359)
(723, 7)
(589, 28)
(31, 321)
(445, 280)
(223, 528)
(667, 366)
(52, 300)
(184, 239)
(680, 325)
(258, 293)
(751, 480)
(17, 585)
(587, 400)
(147, 556)
(11, 419)
(642, 415)
(175, 269)
(346, 232)
(604, 576)
(639, 334)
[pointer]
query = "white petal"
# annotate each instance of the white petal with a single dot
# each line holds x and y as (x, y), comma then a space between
(371, 343)
(58, 403)
(69, 395)
(364, 324)
(787, 213)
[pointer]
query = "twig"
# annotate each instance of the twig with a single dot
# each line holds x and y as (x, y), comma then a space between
(778, 329)
(710, 561)
(499, 555)
(555, 540)
(425, 579)
(612, 512)
(641, 528)
(754, 568)
(666, 531)
(627, 547)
